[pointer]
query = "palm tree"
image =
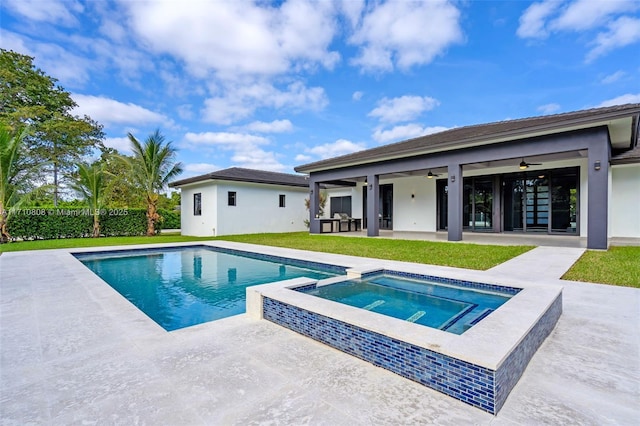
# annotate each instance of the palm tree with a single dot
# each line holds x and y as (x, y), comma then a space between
(153, 166)
(10, 195)
(90, 184)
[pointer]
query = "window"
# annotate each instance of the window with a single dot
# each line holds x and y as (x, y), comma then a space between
(282, 198)
(231, 198)
(197, 204)
(340, 205)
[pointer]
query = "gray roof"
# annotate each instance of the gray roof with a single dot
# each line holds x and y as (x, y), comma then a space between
(481, 133)
(627, 157)
(239, 174)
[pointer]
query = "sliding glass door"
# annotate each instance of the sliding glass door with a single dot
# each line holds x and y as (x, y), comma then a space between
(540, 201)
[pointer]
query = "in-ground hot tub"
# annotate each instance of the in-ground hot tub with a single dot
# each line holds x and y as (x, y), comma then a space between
(479, 366)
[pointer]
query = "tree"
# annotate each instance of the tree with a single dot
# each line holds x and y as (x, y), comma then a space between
(10, 195)
(120, 187)
(153, 166)
(322, 202)
(56, 137)
(90, 184)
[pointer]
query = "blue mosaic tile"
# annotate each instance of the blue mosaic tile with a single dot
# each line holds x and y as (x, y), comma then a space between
(467, 382)
(475, 385)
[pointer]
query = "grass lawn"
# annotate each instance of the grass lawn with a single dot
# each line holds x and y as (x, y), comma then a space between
(617, 266)
(469, 256)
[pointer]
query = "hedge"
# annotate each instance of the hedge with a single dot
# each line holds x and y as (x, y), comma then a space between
(41, 223)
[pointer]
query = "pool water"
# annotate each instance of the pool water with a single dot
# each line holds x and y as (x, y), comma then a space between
(180, 287)
(446, 307)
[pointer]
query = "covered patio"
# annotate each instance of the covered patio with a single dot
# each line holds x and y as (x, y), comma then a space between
(548, 175)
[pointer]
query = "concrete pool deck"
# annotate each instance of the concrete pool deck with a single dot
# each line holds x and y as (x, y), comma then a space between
(76, 352)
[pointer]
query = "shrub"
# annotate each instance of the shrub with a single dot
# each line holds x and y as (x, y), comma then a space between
(40, 223)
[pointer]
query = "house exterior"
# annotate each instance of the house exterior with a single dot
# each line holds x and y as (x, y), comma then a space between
(242, 201)
(575, 173)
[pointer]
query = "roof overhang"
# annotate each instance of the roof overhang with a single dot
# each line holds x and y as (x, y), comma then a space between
(621, 124)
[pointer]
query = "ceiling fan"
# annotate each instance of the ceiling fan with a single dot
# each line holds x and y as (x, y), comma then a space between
(431, 175)
(524, 165)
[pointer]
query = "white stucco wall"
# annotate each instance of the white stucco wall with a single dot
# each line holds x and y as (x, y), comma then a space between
(205, 224)
(257, 209)
(624, 205)
(417, 214)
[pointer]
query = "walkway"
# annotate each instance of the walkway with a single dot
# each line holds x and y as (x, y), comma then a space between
(74, 352)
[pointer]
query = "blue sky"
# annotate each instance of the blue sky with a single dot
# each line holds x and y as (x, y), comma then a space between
(272, 85)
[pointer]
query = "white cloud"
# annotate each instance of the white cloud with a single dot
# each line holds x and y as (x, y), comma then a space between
(404, 108)
(532, 21)
(184, 111)
(276, 126)
(238, 38)
(548, 108)
(258, 159)
(339, 147)
(402, 34)
(612, 78)
(200, 168)
(357, 96)
(123, 145)
(621, 32)
(407, 131)
(109, 111)
(628, 98)
(584, 16)
(225, 140)
(51, 11)
(68, 68)
(241, 101)
(301, 158)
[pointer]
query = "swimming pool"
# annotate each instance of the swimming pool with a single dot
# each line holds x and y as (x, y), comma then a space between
(449, 307)
(184, 286)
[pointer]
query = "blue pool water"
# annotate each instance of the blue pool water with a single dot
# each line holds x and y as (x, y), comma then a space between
(180, 287)
(446, 307)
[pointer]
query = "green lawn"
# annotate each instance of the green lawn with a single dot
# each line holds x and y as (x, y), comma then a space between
(469, 256)
(617, 266)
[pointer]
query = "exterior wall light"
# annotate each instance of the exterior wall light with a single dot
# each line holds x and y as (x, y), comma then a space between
(596, 165)
(453, 178)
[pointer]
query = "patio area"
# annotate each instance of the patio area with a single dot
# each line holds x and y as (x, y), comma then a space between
(74, 351)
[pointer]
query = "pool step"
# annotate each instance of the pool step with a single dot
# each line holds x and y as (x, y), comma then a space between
(415, 317)
(375, 304)
(477, 319)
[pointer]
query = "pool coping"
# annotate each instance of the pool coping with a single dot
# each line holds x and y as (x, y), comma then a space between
(484, 344)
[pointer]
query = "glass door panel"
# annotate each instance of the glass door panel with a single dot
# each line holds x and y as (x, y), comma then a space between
(537, 205)
(483, 205)
(564, 204)
(513, 199)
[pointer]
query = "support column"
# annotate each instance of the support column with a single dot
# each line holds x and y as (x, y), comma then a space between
(598, 196)
(314, 207)
(373, 206)
(454, 205)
